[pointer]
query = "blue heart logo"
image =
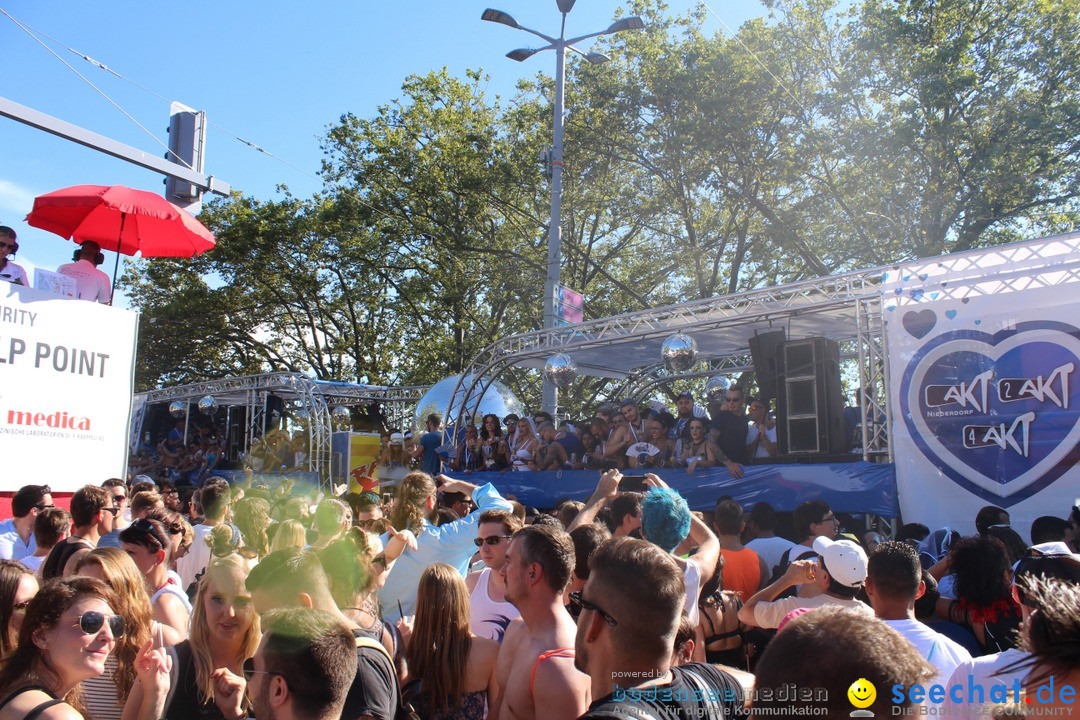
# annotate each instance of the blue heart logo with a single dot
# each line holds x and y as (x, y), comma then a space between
(997, 414)
(951, 314)
(920, 323)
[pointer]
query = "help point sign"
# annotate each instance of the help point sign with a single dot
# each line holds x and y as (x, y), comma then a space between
(66, 373)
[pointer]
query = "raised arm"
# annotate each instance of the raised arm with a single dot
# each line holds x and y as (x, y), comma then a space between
(606, 490)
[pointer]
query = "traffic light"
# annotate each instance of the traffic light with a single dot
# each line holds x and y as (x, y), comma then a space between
(187, 137)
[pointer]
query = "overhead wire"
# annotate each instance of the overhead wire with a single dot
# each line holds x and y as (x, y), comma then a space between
(97, 63)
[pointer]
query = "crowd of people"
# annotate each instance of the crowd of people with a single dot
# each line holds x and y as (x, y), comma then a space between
(731, 431)
(451, 601)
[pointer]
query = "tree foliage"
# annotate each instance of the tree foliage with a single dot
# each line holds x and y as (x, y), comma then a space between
(816, 140)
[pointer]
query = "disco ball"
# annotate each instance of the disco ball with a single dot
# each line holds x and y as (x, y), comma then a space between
(498, 399)
(341, 417)
(208, 405)
(561, 370)
(178, 409)
(679, 352)
(716, 388)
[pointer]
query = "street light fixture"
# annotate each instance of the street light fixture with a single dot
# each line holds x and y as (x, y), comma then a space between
(560, 45)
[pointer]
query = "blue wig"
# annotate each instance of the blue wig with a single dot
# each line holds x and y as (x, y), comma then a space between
(665, 518)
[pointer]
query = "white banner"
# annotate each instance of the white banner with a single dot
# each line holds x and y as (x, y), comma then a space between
(66, 371)
(984, 365)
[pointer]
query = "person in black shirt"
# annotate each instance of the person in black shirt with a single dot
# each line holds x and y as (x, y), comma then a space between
(294, 578)
(627, 617)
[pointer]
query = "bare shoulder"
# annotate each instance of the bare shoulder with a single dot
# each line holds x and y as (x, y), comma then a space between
(24, 703)
(566, 689)
(62, 711)
(484, 648)
(471, 579)
(483, 653)
(515, 631)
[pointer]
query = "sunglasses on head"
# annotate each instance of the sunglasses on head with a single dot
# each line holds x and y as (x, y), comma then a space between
(91, 622)
(145, 526)
(490, 540)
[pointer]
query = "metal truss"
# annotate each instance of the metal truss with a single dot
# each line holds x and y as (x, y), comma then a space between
(300, 393)
(761, 308)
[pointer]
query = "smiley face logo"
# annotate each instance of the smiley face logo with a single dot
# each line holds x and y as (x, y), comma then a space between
(862, 693)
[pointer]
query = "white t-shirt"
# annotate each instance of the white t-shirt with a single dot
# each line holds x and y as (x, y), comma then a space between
(771, 549)
(941, 652)
(985, 672)
(751, 436)
(770, 614)
(197, 557)
(13, 273)
(90, 283)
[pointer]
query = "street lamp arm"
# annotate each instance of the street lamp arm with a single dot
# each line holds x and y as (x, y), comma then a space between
(538, 34)
(586, 37)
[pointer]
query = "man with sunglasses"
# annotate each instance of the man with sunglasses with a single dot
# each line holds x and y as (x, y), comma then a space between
(9, 271)
(728, 429)
(118, 489)
(17, 534)
(294, 578)
(302, 670)
(489, 611)
(93, 513)
(627, 616)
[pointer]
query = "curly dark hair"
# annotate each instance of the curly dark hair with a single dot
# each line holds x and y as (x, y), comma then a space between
(980, 565)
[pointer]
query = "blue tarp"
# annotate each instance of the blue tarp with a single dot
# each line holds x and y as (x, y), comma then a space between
(849, 487)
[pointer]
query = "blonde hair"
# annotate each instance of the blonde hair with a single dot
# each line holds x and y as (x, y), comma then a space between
(290, 533)
(125, 580)
(200, 630)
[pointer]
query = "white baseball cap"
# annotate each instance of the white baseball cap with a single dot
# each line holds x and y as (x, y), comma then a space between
(844, 560)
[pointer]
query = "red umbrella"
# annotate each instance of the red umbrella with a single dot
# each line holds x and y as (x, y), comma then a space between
(121, 219)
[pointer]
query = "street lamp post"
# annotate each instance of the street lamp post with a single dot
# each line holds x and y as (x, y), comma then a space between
(555, 158)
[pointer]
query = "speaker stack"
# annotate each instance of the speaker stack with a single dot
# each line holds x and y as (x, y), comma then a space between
(804, 377)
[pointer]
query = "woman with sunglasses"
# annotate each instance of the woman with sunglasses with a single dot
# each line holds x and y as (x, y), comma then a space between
(18, 586)
(9, 271)
(224, 633)
(148, 544)
(104, 695)
(451, 673)
(69, 630)
(353, 580)
(179, 535)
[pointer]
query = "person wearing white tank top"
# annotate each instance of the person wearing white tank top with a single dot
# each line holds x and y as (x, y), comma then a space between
(489, 612)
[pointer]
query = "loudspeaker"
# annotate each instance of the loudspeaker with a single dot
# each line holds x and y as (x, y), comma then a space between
(763, 349)
(810, 405)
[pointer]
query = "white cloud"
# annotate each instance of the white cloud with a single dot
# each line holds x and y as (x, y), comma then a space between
(15, 201)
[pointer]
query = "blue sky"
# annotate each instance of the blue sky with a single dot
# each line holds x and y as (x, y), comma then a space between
(273, 73)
